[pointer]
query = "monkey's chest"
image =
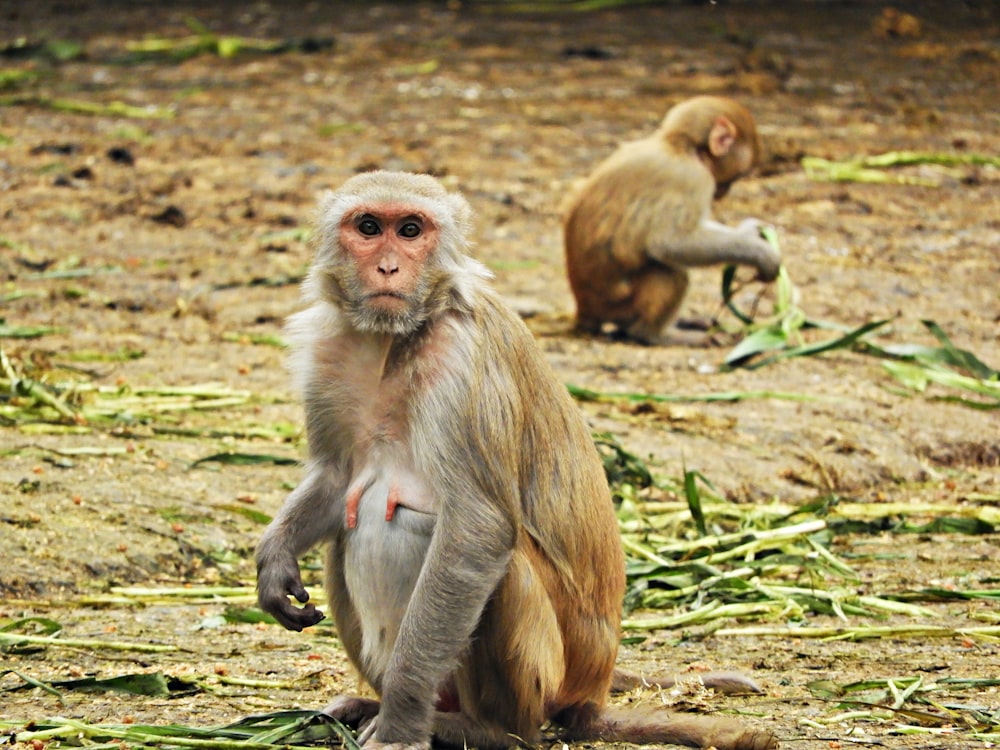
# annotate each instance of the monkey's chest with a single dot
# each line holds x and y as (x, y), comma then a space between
(385, 543)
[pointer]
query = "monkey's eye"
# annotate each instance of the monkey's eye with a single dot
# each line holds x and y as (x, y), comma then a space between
(409, 230)
(369, 227)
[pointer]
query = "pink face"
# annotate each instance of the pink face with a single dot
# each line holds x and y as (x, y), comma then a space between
(390, 244)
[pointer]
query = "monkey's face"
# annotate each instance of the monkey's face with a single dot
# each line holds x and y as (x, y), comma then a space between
(384, 276)
(739, 161)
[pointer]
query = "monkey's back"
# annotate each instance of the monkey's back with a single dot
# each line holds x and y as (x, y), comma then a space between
(641, 195)
(559, 606)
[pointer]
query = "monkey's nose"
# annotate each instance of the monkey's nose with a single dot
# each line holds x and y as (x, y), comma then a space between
(387, 268)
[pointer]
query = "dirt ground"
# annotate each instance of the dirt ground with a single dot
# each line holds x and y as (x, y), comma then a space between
(189, 252)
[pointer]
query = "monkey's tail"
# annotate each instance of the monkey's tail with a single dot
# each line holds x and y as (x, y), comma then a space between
(654, 726)
(647, 725)
(730, 683)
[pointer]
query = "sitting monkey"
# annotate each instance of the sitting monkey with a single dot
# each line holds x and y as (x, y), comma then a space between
(643, 217)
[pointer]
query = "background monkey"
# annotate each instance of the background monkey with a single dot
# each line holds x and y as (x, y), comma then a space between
(643, 217)
(474, 567)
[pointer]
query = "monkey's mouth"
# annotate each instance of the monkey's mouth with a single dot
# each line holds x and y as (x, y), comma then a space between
(390, 302)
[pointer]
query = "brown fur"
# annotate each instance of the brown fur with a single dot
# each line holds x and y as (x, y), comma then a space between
(488, 601)
(642, 218)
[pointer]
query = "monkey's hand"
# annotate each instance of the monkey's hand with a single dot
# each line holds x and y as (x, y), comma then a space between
(366, 738)
(767, 259)
(275, 583)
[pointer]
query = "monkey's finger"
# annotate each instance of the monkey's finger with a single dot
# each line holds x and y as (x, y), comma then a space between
(366, 734)
(308, 615)
(295, 618)
(299, 592)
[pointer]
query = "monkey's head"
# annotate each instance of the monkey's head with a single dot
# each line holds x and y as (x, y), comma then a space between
(722, 132)
(391, 252)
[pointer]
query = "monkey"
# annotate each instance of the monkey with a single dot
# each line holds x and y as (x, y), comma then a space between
(473, 563)
(643, 218)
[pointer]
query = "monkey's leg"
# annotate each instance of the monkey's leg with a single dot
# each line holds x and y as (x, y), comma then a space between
(657, 296)
(608, 303)
(515, 663)
(462, 731)
(698, 323)
(652, 726)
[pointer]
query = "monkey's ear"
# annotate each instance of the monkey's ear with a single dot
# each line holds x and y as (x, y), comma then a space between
(722, 136)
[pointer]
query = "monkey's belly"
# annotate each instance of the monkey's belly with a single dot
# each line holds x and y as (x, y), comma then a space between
(383, 558)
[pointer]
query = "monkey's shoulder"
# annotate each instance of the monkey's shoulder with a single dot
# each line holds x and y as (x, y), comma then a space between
(634, 192)
(502, 335)
(649, 165)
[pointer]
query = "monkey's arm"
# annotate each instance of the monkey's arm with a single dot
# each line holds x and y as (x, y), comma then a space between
(468, 556)
(471, 472)
(713, 243)
(306, 517)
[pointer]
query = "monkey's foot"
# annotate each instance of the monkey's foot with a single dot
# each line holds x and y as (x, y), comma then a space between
(376, 745)
(366, 738)
(351, 710)
(696, 324)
